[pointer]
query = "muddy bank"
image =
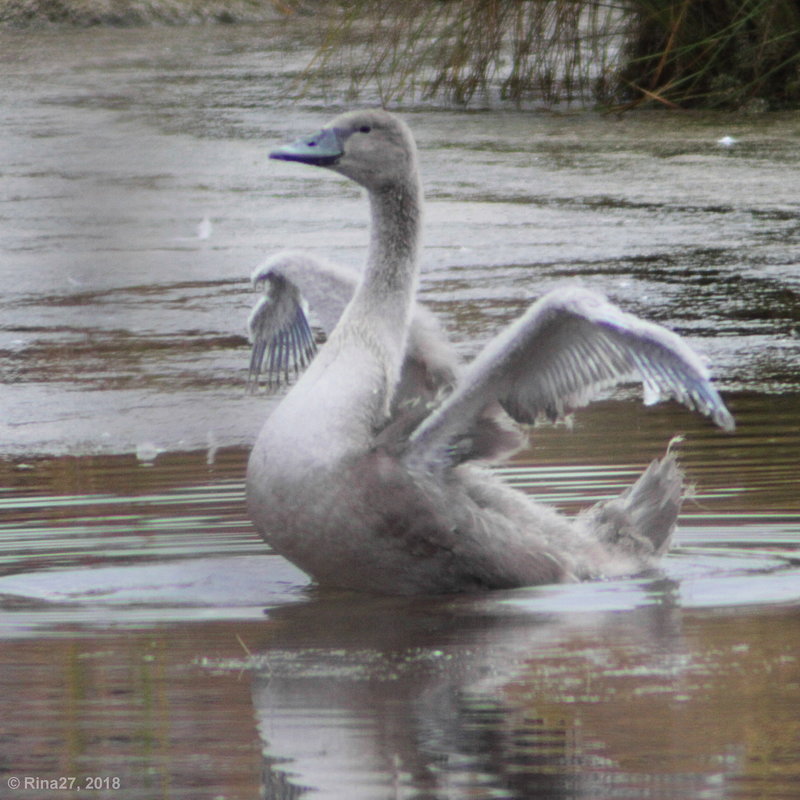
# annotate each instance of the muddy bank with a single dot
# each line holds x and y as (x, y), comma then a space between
(88, 13)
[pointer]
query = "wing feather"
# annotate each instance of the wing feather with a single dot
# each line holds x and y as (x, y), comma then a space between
(282, 340)
(568, 347)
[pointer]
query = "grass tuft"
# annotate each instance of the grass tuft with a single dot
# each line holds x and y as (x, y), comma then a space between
(677, 53)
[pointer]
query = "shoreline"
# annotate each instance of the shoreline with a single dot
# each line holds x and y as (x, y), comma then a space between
(37, 14)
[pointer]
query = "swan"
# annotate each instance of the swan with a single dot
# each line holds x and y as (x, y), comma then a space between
(366, 494)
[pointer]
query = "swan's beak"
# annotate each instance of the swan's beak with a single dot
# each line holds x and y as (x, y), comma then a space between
(323, 149)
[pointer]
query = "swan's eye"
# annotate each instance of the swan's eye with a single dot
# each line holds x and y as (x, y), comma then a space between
(364, 129)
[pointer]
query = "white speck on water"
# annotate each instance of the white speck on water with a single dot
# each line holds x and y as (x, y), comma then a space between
(147, 452)
(205, 228)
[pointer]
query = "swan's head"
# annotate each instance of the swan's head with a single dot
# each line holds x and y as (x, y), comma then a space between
(373, 148)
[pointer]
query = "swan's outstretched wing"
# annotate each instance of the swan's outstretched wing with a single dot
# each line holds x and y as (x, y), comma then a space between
(283, 343)
(279, 331)
(568, 346)
(278, 324)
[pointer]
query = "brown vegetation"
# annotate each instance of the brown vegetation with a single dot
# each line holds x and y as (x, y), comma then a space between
(710, 53)
(679, 53)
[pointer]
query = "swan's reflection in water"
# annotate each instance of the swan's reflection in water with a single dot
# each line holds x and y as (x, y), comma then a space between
(480, 698)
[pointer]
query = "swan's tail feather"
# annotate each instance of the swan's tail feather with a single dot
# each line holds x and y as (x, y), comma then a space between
(642, 519)
(654, 502)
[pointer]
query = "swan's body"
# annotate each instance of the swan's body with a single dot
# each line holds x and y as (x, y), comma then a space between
(364, 492)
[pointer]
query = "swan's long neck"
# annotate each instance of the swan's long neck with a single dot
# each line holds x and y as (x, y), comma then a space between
(390, 278)
(382, 304)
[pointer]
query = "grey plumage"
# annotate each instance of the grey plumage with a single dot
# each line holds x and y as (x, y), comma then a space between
(365, 475)
(298, 285)
(280, 332)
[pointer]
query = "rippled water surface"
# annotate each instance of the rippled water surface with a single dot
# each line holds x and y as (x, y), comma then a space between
(151, 640)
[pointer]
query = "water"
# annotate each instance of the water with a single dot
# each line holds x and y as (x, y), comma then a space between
(153, 647)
